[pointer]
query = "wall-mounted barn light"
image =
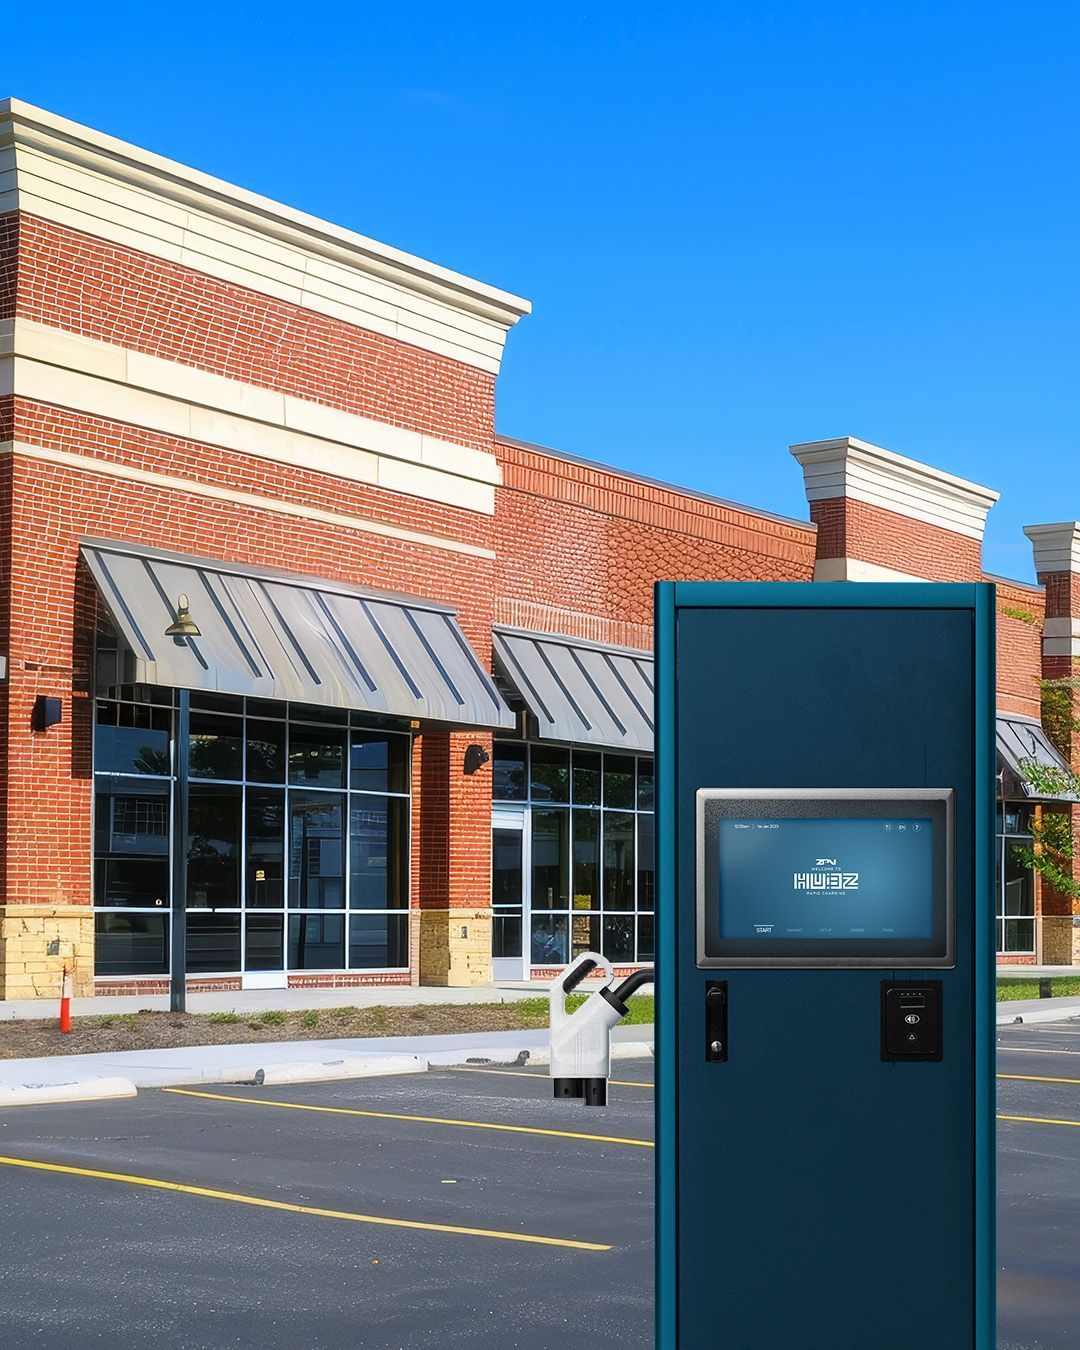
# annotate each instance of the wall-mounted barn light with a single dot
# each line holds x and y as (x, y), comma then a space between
(183, 626)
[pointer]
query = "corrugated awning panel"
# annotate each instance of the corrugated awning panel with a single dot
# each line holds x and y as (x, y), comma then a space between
(1022, 740)
(268, 635)
(581, 692)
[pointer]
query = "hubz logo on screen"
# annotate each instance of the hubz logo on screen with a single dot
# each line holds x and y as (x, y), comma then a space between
(825, 881)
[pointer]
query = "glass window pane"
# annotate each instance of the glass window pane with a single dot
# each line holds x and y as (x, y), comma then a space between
(550, 774)
(646, 875)
(135, 883)
(586, 846)
(264, 707)
(619, 781)
(378, 941)
(265, 848)
(550, 856)
(549, 933)
(1019, 884)
(265, 751)
(227, 703)
(618, 860)
(645, 948)
(378, 763)
(131, 739)
(131, 944)
(586, 778)
(584, 934)
(619, 938)
(316, 941)
(213, 942)
(378, 853)
(131, 818)
(265, 948)
(1019, 935)
(214, 847)
(316, 758)
(216, 749)
(506, 877)
(645, 784)
(506, 935)
(508, 776)
(308, 712)
(316, 850)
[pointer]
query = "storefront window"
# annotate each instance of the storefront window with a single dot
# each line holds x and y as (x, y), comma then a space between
(589, 816)
(1015, 882)
(295, 817)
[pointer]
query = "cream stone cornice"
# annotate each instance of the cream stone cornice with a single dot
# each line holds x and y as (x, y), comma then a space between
(1056, 547)
(847, 467)
(49, 365)
(62, 171)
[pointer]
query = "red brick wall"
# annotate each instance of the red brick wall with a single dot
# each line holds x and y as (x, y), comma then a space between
(852, 529)
(579, 547)
(1020, 613)
(115, 294)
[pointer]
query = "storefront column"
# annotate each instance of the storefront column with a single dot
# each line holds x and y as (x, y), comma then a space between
(1057, 564)
(46, 923)
(451, 942)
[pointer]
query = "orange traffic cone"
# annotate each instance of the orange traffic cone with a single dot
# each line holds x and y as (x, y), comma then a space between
(65, 1002)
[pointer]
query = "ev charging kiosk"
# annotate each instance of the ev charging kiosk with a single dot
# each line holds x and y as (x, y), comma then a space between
(825, 966)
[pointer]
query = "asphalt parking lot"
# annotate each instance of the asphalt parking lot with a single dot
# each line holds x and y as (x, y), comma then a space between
(514, 1223)
(1039, 1187)
(453, 1208)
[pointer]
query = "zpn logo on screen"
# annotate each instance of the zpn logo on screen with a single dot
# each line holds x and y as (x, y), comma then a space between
(825, 882)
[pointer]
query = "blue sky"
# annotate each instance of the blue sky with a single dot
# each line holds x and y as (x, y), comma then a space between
(740, 225)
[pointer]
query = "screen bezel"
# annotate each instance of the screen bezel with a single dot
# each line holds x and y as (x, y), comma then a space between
(716, 804)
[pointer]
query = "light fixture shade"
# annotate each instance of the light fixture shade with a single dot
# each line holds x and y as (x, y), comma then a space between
(183, 626)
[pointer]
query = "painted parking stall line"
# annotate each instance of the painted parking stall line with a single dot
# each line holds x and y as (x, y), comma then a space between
(1041, 1120)
(260, 1202)
(1034, 1078)
(413, 1119)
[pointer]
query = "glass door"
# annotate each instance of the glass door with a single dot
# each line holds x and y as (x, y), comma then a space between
(509, 902)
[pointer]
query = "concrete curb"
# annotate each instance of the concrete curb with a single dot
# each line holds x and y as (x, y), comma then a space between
(1031, 1016)
(327, 1071)
(78, 1090)
(533, 1056)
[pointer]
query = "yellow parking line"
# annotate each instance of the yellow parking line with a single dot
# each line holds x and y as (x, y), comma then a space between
(1040, 1120)
(520, 1073)
(423, 1120)
(1034, 1078)
(156, 1184)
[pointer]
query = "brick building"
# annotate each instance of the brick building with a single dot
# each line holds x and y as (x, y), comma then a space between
(286, 628)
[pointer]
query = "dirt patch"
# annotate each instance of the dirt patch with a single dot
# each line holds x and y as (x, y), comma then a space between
(163, 1030)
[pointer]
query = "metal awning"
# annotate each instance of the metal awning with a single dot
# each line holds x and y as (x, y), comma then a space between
(274, 635)
(578, 691)
(1020, 741)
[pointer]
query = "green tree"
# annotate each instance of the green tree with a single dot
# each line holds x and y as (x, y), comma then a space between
(1051, 850)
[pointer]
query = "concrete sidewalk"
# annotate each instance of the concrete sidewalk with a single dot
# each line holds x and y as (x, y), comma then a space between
(1031, 1010)
(285, 1000)
(78, 1077)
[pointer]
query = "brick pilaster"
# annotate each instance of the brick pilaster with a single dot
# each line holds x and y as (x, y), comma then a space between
(1057, 564)
(451, 860)
(883, 517)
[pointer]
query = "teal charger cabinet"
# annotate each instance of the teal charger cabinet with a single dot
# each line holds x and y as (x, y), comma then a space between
(825, 966)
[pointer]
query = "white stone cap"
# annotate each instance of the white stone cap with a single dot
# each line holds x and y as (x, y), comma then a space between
(43, 133)
(1056, 547)
(847, 467)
